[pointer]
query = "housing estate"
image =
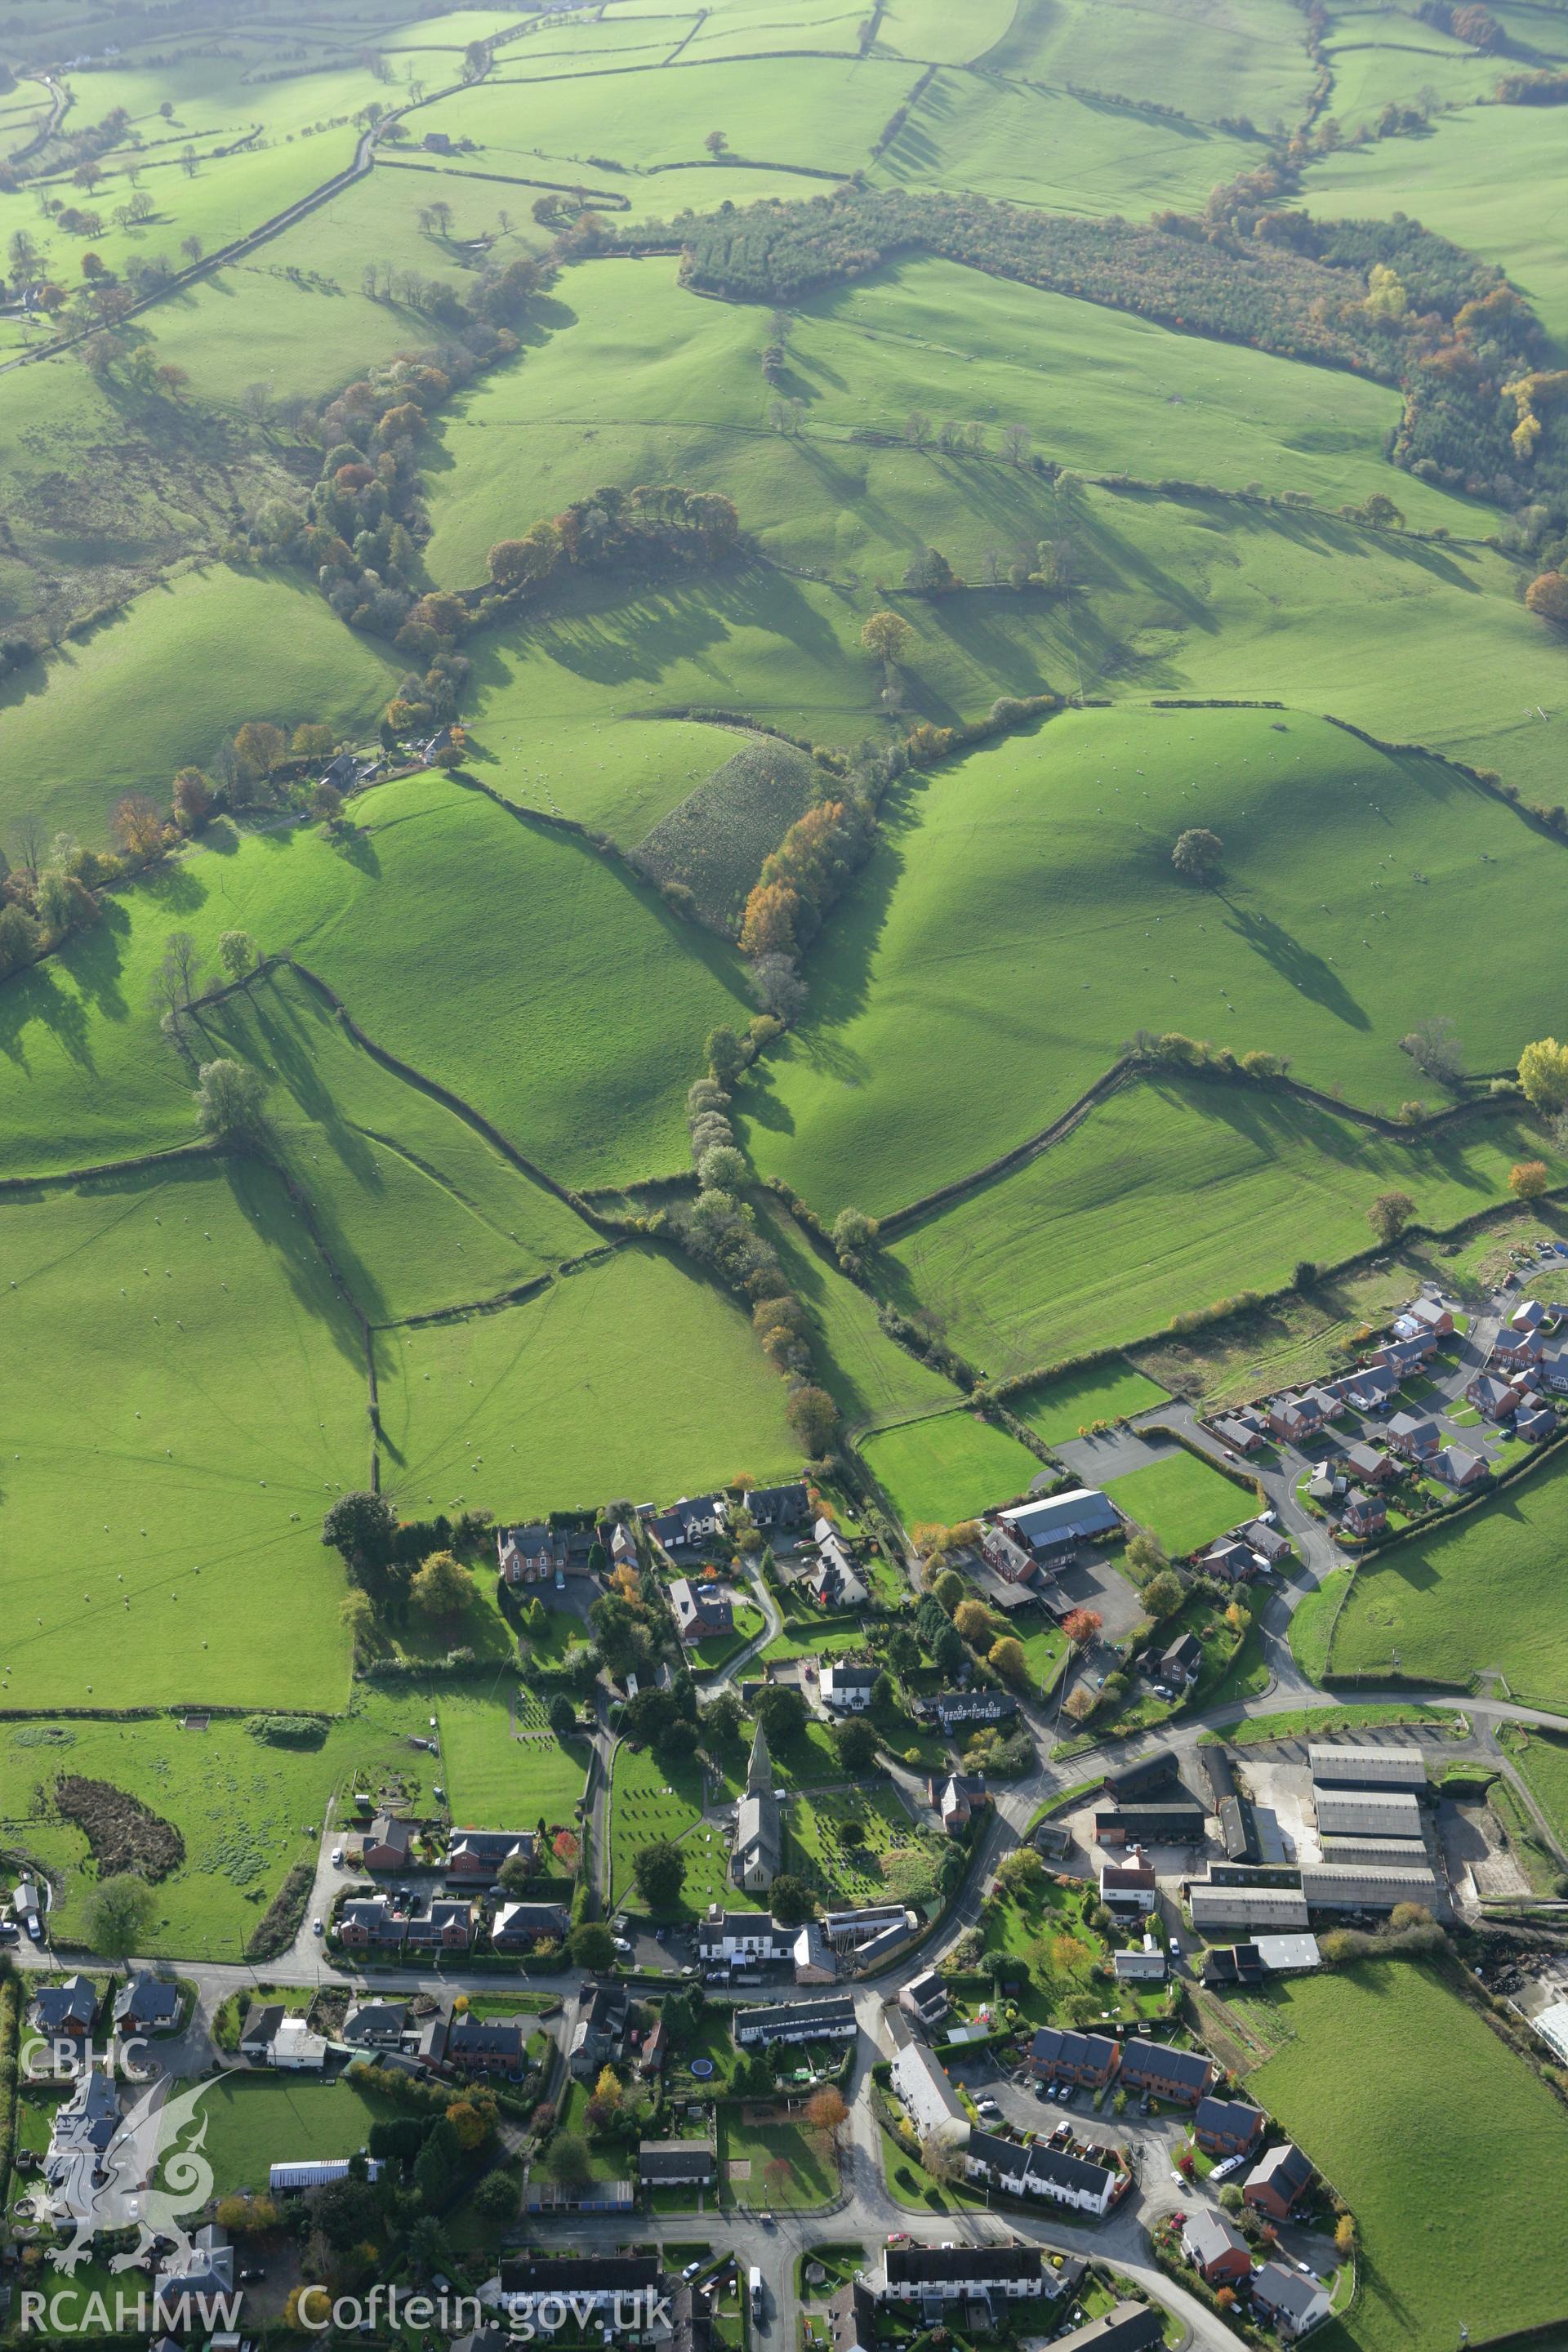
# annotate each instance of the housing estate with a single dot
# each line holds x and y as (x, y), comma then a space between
(1039, 2170)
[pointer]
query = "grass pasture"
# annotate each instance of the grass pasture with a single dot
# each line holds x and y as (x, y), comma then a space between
(1059, 1408)
(1065, 837)
(1354, 2075)
(1482, 1595)
(1166, 1199)
(256, 2121)
(561, 1403)
(948, 1467)
(491, 1775)
(221, 1385)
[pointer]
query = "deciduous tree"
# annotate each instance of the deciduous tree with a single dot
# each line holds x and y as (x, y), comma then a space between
(231, 1105)
(441, 1586)
(887, 636)
(659, 1870)
(1543, 1074)
(1389, 1214)
(1198, 853)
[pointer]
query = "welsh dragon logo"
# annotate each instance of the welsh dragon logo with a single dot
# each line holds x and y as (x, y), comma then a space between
(147, 2174)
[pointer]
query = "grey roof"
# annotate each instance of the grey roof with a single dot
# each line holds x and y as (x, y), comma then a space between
(1157, 2062)
(675, 2159)
(1284, 2170)
(1285, 2290)
(147, 2000)
(832, 2016)
(1056, 2045)
(1125, 2327)
(1063, 1519)
(916, 2266)
(1227, 2117)
(1207, 2234)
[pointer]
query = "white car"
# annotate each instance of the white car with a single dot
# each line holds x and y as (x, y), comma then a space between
(337, 1857)
(623, 1947)
(317, 1929)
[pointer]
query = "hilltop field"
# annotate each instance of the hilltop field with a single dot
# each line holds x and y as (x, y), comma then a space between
(484, 994)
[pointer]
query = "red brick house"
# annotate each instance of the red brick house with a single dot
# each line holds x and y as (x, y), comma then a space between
(1278, 2181)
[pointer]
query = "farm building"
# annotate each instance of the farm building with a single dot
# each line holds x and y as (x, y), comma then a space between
(1221, 1908)
(1059, 1523)
(1145, 1964)
(314, 2172)
(1335, 1767)
(1403, 1853)
(1367, 1813)
(1181, 1822)
(1365, 1886)
(1141, 1779)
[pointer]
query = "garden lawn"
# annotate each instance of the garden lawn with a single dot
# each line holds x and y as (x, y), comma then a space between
(630, 1377)
(708, 1656)
(1064, 836)
(1181, 1502)
(1359, 2074)
(947, 1467)
(1064, 1408)
(1046, 1927)
(1483, 1594)
(256, 2121)
(1164, 1199)
(786, 2165)
(164, 1492)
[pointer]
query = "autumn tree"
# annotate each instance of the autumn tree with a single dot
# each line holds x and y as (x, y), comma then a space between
(972, 1619)
(1529, 1178)
(769, 924)
(138, 825)
(828, 2112)
(1547, 597)
(887, 636)
(1082, 1626)
(1161, 1596)
(326, 802)
(313, 740)
(1389, 1214)
(1543, 1074)
(193, 800)
(1008, 1658)
(236, 953)
(1198, 855)
(260, 745)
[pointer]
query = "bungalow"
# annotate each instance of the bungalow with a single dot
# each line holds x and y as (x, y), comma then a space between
(1461, 1469)
(1295, 1418)
(1086, 2060)
(1365, 1515)
(518, 1927)
(1241, 1436)
(1278, 2181)
(1160, 2073)
(678, 2163)
(65, 2012)
(1039, 2171)
(148, 2004)
(955, 1707)
(926, 1998)
(1418, 1441)
(479, 1856)
(1059, 1523)
(529, 1554)
(701, 1610)
(1229, 1558)
(1127, 1885)
(489, 2045)
(1368, 1464)
(1492, 1396)
(1183, 1661)
(799, 2021)
(448, 1926)
(594, 2281)
(370, 1921)
(1227, 2126)
(1534, 1422)
(846, 1687)
(387, 1842)
(1296, 2305)
(600, 2033)
(955, 1798)
(1216, 2247)
(375, 2025)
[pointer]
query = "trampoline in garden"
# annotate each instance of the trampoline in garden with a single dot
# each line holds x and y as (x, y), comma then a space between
(702, 2068)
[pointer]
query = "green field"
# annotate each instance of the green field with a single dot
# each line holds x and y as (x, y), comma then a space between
(1356, 2073)
(768, 2165)
(1065, 835)
(557, 1404)
(654, 1799)
(1542, 1757)
(1469, 1599)
(492, 1776)
(1061, 1409)
(1166, 1199)
(256, 2121)
(948, 1468)
(1181, 1501)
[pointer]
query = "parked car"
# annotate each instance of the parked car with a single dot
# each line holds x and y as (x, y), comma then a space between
(317, 1929)
(623, 1946)
(250, 2277)
(9, 1932)
(337, 1857)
